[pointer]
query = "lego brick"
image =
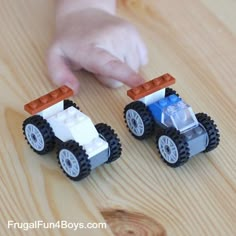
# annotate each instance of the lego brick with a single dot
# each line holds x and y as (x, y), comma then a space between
(173, 111)
(96, 146)
(197, 140)
(48, 100)
(151, 98)
(52, 110)
(72, 124)
(99, 159)
(181, 115)
(157, 108)
(151, 87)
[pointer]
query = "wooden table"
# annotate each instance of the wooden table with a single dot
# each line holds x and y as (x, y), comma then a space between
(192, 40)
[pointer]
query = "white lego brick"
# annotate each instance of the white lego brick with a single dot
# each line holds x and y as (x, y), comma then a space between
(149, 99)
(72, 124)
(96, 146)
(52, 110)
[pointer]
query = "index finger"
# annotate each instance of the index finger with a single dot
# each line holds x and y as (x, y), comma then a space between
(101, 62)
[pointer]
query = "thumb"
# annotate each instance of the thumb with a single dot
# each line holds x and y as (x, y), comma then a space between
(60, 71)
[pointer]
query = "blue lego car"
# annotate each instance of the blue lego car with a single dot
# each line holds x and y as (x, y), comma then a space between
(180, 134)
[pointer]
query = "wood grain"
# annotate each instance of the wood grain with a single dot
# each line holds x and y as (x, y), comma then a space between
(192, 40)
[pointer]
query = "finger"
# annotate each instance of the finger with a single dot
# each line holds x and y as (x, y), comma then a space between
(60, 71)
(142, 51)
(133, 59)
(106, 65)
(109, 82)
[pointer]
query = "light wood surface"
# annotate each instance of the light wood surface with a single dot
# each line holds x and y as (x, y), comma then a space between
(192, 40)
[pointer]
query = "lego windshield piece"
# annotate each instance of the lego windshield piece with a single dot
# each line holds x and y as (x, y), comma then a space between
(180, 116)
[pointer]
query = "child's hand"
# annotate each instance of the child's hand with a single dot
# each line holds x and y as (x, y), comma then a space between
(99, 42)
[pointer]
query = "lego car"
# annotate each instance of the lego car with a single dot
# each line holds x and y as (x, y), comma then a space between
(58, 122)
(180, 134)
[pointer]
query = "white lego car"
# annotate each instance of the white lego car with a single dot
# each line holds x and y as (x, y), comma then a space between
(81, 146)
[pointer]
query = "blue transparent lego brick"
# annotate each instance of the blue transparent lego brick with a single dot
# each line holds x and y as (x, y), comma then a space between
(158, 107)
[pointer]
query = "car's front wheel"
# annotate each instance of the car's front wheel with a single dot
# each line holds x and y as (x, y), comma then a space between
(173, 147)
(73, 160)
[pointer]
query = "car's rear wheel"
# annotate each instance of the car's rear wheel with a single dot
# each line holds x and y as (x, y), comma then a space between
(109, 135)
(39, 134)
(68, 103)
(139, 120)
(211, 129)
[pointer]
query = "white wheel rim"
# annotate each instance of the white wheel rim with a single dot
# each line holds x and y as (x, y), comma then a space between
(168, 149)
(135, 122)
(34, 137)
(69, 163)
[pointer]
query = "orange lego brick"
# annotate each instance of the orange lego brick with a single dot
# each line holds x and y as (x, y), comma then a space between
(151, 86)
(48, 100)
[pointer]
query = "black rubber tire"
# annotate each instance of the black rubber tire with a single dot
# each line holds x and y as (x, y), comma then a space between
(146, 117)
(46, 131)
(170, 91)
(211, 129)
(180, 144)
(81, 157)
(68, 103)
(109, 135)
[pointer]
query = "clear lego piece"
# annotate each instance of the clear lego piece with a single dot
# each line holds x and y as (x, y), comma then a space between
(179, 115)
